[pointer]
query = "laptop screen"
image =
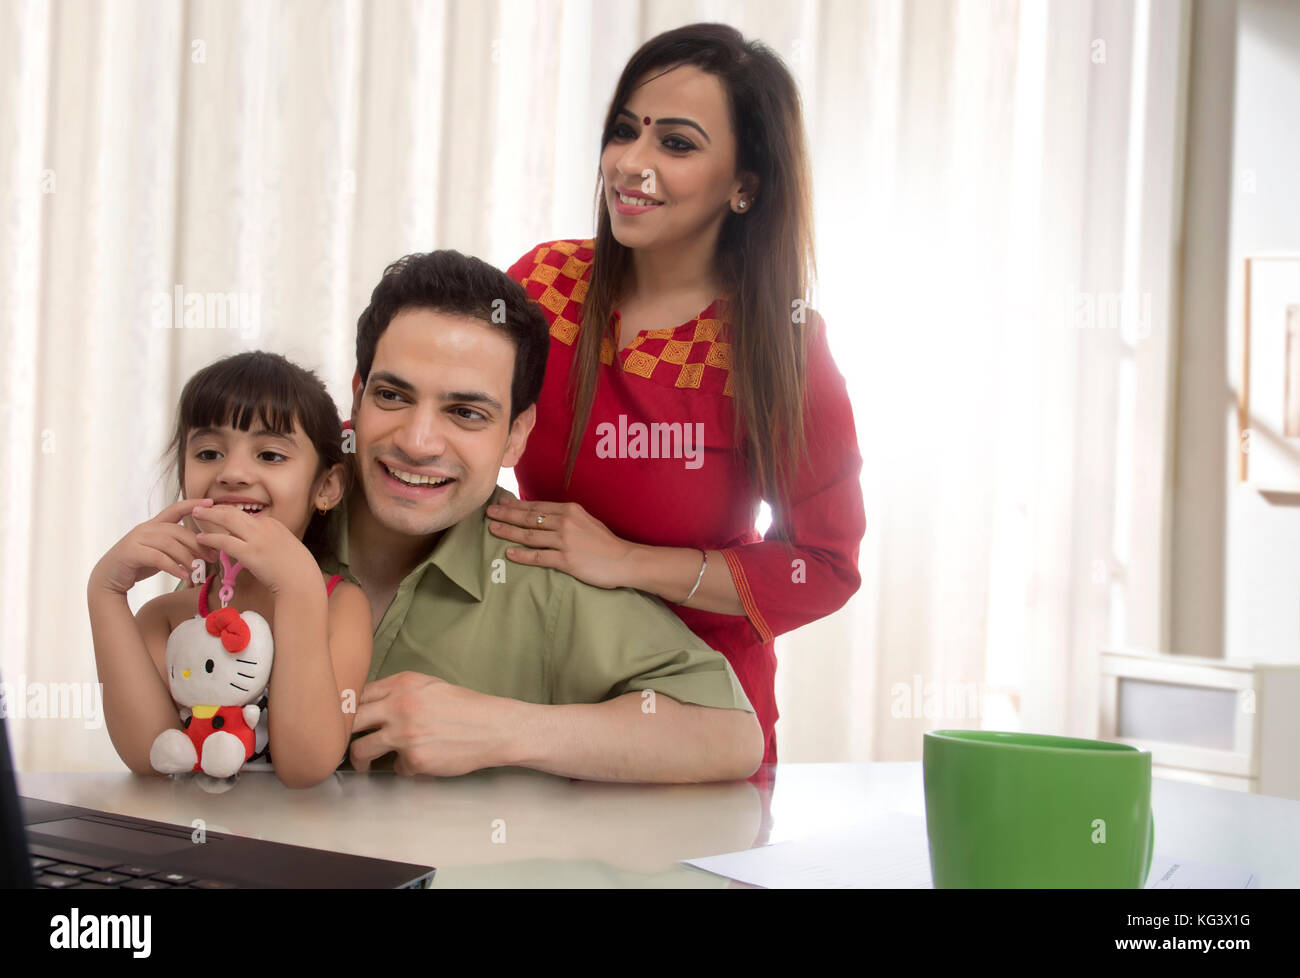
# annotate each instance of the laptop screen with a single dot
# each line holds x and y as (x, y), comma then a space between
(15, 867)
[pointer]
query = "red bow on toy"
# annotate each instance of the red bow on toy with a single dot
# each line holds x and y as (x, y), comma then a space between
(232, 629)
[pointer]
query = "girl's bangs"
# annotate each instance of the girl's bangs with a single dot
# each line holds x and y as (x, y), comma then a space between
(237, 398)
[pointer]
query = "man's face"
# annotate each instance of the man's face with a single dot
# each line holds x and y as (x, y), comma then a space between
(433, 420)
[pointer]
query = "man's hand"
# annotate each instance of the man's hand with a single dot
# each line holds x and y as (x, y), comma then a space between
(433, 726)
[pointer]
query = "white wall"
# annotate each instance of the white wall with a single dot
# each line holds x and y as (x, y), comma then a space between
(1262, 614)
(1236, 555)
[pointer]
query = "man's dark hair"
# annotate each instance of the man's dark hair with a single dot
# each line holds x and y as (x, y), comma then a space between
(447, 281)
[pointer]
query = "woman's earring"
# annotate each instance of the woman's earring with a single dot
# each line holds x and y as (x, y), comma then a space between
(742, 204)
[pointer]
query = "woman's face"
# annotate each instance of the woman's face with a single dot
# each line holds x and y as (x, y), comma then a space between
(681, 163)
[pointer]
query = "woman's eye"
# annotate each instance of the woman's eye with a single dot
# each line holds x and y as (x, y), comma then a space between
(678, 144)
(623, 131)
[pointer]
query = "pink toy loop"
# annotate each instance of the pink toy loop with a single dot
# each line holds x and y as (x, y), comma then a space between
(228, 575)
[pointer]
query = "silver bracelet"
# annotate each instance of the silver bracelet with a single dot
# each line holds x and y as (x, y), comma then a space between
(703, 565)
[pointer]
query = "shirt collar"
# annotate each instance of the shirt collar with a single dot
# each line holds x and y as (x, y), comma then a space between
(459, 552)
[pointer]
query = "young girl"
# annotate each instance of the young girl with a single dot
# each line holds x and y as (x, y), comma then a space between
(259, 457)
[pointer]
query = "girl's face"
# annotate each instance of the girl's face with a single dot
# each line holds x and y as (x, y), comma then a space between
(265, 473)
(681, 162)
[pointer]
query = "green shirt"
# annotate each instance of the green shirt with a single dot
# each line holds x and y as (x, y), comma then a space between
(469, 615)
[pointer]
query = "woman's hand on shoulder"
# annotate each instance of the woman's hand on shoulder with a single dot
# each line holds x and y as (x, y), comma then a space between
(564, 536)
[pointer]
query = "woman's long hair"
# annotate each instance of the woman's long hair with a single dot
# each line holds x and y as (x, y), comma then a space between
(765, 256)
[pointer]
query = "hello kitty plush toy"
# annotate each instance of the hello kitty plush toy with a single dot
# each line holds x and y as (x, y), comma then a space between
(218, 664)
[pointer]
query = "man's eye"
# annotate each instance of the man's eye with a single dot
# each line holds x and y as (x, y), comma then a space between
(469, 414)
(383, 392)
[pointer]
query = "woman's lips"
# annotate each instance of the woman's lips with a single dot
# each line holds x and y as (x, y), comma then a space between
(632, 209)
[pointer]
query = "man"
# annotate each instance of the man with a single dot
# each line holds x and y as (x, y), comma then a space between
(479, 661)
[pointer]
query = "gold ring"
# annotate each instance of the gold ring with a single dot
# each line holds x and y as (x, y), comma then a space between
(541, 520)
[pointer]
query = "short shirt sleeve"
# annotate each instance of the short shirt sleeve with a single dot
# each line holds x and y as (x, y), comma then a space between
(605, 643)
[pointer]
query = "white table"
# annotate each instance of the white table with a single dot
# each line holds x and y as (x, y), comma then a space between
(513, 827)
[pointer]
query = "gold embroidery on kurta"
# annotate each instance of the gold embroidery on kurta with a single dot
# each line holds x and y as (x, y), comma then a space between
(636, 361)
(706, 329)
(553, 299)
(544, 274)
(639, 363)
(691, 375)
(675, 351)
(564, 331)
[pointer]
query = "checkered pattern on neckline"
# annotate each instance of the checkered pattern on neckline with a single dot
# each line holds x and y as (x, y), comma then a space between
(689, 356)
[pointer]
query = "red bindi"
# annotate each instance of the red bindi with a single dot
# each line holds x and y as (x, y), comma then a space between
(647, 120)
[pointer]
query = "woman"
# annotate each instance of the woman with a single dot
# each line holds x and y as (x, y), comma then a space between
(687, 378)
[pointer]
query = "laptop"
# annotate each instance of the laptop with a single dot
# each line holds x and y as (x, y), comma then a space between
(48, 845)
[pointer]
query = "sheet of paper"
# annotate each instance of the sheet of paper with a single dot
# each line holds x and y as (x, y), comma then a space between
(889, 851)
(1188, 874)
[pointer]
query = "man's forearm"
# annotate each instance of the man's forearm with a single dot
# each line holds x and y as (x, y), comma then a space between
(623, 740)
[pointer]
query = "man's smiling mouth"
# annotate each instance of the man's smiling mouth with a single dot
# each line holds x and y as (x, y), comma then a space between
(416, 479)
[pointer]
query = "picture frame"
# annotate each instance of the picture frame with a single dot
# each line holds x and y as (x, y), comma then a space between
(1268, 402)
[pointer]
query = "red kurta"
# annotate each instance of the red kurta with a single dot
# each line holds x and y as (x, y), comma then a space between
(701, 498)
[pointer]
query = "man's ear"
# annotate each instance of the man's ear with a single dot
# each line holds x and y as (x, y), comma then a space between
(519, 432)
(358, 389)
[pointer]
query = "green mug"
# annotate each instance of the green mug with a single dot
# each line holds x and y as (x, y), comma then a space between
(1010, 810)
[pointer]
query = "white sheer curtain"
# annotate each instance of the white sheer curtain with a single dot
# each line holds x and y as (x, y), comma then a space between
(993, 179)
(281, 153)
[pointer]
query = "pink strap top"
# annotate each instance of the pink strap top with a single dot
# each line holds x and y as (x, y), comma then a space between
(207, 586)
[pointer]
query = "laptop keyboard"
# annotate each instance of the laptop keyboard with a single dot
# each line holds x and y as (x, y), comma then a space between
(58, 869)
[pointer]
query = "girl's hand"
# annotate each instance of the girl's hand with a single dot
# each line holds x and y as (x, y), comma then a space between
(568, 538)
(160, 544)
(265, 546)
